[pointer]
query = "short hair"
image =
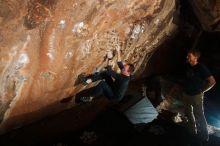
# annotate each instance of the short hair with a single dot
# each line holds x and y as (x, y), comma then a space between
(131, 68)
(195, 53)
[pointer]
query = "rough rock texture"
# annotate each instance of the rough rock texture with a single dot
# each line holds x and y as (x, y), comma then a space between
(208, 13)
(46, 44)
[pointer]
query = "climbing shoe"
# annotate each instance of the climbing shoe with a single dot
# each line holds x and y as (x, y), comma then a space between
(82, 78)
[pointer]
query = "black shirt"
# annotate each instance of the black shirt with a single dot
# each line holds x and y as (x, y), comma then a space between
(195, 79)
(121, 81)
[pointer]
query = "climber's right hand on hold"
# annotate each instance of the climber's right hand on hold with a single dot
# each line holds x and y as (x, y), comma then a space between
(109, 54)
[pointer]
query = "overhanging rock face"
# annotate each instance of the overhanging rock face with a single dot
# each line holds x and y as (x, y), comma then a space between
(45, 45)
(208, 13)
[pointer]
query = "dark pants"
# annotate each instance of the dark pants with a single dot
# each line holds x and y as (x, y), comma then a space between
(195, 113)
(105, 87)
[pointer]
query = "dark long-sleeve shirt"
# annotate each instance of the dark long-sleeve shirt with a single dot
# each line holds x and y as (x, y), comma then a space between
(121, 81)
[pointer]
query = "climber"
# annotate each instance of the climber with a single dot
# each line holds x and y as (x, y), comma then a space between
(115, 89)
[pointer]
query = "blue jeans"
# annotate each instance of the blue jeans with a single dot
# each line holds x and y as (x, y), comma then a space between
(103, 88)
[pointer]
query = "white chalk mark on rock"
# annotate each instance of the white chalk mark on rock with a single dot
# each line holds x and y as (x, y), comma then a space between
(62, 24)
(136, 31)
(51, 50)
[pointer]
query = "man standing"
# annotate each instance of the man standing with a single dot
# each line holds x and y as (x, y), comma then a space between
(112, 89)
(198, 81)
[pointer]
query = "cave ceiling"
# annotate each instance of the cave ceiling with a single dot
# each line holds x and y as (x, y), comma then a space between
(208, 13)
